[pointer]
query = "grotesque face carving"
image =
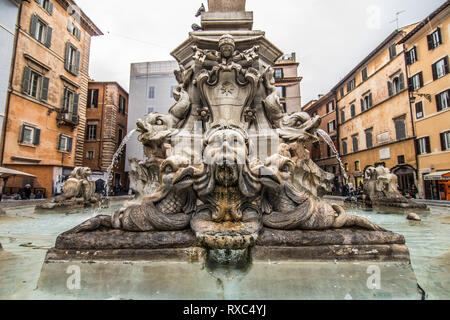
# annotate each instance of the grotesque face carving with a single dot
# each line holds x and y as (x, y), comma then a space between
(227, 50)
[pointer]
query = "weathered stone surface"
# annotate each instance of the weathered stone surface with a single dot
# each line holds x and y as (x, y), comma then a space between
(300, 238)
(2, 212)
(117, 239)
(226, 5)
(413, 216)
(190, 254)
(388, 252)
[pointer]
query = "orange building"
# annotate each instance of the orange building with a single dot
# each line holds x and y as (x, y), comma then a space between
(106, 126)
(426, 50)
(288, 82)
(45, 114)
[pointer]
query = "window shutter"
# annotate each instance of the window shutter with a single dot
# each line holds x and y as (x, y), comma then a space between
(433, 67)
(44, 88)
(408, 58)
(96, 98)
(421, 79)
(439, 35)
(34, 20)
(50, 7)
(438, 102)
(410, 84)
(390, 88)
(22, 134)
(67, 64)
(443, 146)
(48, 37)
(430, 42)
(370, 100)
(70, 142)
(78, 34)
(26, 81)
(417, 147)
(76, 98)
(446, 65)
(77, 62)
(59, 141)
(428, 145)
(362, 105)
(37, 137)
(64, 98)
(402, 81)
(69, 25)
(39, 2)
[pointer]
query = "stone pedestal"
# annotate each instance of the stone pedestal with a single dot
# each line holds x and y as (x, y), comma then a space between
(226, 5)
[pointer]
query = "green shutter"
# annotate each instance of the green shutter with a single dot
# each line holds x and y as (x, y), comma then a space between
(59, 141)
(77, 62)
(44, 88)
(50, 7)
(37, 137)
(76, 98)
(390, 89)
(48, 37)
(64, 99)
(78, 33)
(26, 81)
(34, 20)
(402, 81)
(66, 64)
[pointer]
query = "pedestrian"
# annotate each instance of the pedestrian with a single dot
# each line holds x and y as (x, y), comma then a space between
(27, 192)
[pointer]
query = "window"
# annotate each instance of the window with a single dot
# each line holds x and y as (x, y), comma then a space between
(364, 74)
(330, 107)
(445, 141)
(41, 31)
(440, 68)
(72, 62)
(392, 51)
(357, 166)
(443, 100)
(369, 139)
(397, 85)
(70, 105)
(90, 155)
(416, 82)
(283, 91)
(35, 85)
(344, 147)
(355, 143)
(411, 56)
(366, 102)
(401, 159)
(342, 115)
(316, 151)
(331, 126)
(434, 39)
(419, 110)
(151, 92)
(350, 85)
(342, 92)
(92, 98)
(65, 143)
(119, 136)
(150, 110)
(346, 167)
(73, 29)
(423, 145)
(400, 128)
(278, 74)
(121, 105)
(92, 132)
(352, 110)
(283, 104)
(46, 5)
(30, 135)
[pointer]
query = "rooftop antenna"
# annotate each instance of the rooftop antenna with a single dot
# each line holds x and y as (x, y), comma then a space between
(397, 14)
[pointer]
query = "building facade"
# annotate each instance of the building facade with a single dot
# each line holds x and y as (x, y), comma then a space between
(106, 127)
(426, 50)
(288, 82)
(374, 114)
(8, 17)
(45, 116)
(321, 152)
(151, 90)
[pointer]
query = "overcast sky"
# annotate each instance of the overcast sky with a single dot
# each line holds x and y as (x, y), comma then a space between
(330, 37)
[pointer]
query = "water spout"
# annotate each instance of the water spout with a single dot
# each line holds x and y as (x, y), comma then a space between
(328, 140)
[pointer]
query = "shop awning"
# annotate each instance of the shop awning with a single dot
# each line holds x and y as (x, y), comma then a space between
(6, 173)
(438, 176)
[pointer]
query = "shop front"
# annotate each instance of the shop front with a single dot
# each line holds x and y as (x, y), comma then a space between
(437, 185)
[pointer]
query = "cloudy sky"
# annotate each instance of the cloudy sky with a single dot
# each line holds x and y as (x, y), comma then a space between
(330, 37)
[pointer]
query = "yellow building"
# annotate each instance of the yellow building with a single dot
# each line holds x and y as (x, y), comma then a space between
(374, 115)
(427, 47)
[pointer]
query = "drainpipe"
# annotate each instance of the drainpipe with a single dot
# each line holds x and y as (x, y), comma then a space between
(413, 125)
(10, 84)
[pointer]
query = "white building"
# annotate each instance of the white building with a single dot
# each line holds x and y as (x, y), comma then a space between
(151, 87)
(8, 18)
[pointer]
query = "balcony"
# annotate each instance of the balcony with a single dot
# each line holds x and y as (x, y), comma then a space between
(67, 118)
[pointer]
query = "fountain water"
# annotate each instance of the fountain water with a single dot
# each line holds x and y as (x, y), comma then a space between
(328, 140)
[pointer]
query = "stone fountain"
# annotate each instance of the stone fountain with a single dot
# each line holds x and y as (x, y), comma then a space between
(226, 176)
